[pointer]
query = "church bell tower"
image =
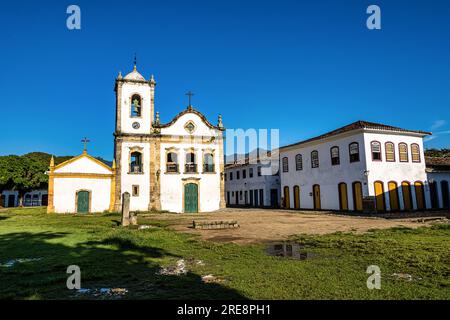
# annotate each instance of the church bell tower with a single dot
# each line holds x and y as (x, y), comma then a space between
(134, 119)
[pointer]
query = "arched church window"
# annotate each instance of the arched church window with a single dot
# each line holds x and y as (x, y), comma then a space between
(136, 162)
(208, 162)
(172, 162)
(190, 165)
(136, 106)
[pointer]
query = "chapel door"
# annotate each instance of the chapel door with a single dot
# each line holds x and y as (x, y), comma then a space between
(82, 201)
(191, 198)
(316, 193)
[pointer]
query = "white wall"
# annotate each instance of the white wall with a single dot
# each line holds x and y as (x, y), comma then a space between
(439, 177)
(178, 129)
(141, 202)
(395, 171)
(83, 165)
(145, 121)
(326, 175)
(65, 193)
(208, 183)
(366, 171)
(264, 182)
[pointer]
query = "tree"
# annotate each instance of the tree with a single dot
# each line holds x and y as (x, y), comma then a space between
(437, 152)
(22, 174)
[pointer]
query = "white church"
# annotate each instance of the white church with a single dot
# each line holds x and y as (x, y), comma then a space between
(176, 166)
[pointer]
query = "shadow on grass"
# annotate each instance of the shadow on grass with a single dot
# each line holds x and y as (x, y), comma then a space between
(112, 263)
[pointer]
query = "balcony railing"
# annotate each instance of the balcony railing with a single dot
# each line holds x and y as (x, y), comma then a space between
(208, 167)
(190, 168)
(136, 168)
(172, 167)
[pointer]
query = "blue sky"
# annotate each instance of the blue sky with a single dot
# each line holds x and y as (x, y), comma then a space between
(304, 67)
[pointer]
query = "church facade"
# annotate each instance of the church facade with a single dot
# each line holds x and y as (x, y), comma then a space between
(176, 166)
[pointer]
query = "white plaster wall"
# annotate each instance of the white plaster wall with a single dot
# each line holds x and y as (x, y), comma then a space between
(141, 202)
(65, 193)
(395, 171)
(439, 177)
(178, 127)
(326, 175)
(145, 121)
(172, 183)
(248, 184)
(83, 165)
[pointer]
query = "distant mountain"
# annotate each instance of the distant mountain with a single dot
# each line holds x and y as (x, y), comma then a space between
(239, 157)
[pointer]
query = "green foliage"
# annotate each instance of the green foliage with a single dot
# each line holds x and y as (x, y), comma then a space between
(437, 152)
(27, 172)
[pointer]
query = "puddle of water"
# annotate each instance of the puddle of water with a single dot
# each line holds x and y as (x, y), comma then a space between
(289, 250)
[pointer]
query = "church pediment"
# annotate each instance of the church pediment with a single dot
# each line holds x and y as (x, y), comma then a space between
(190, 122)
(83, 164)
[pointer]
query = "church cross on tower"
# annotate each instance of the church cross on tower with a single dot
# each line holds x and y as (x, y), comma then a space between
(189, 94)
(85, 142)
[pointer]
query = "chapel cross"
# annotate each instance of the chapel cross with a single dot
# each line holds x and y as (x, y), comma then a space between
(85, 142)
(189, 94)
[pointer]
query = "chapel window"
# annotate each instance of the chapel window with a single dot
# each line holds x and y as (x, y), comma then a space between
(208, 162)
(172, 162)
(191, 164)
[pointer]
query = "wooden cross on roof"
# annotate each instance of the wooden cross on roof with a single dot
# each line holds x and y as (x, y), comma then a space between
(85, 142)
(189, 94)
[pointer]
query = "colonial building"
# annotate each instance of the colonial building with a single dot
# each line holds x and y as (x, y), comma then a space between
(33, 198)
(355, 167)
(245, 185)
(438, 173)
(177, 166)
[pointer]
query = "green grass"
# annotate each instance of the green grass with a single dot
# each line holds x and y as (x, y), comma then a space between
(111, 256)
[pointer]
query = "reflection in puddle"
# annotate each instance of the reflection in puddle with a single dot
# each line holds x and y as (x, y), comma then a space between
(289, 250)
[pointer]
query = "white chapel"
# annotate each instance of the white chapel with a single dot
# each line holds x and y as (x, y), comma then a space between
(176, 166)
